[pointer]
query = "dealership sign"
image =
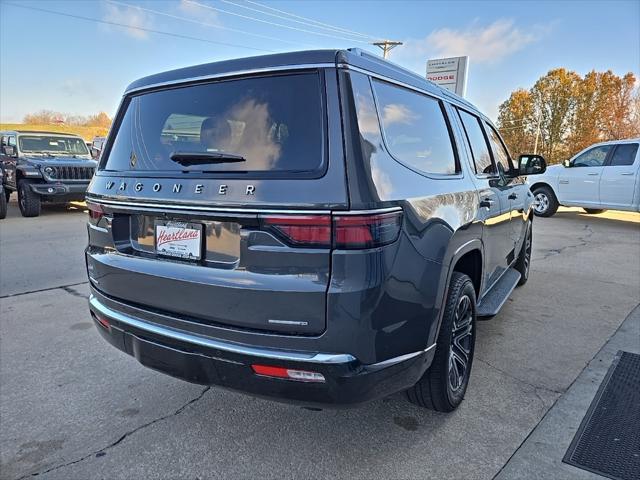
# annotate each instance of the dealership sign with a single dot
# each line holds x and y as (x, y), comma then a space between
(449, 73)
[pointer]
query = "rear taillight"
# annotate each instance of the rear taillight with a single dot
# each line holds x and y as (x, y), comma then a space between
(301, 230)
(95, 212)
(341, 231)
(366, 231)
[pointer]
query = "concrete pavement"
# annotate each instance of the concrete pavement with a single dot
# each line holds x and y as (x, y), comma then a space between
(73, 407)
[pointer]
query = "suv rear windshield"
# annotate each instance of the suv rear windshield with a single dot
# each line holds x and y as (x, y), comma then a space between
(268, 124)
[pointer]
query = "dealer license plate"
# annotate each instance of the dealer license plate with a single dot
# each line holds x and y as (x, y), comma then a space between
(179, 239)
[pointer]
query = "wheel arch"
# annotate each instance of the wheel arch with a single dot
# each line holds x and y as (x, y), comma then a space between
(466, 257)
(541, 183)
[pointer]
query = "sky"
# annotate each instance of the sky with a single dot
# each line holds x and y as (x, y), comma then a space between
(81, 67)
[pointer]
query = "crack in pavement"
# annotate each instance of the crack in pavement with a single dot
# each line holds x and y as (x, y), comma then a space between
(557, 251)
(121, 439)
(73, 292)
(64, 287)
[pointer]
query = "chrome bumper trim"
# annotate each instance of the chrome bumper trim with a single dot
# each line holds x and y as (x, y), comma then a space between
(322, 358)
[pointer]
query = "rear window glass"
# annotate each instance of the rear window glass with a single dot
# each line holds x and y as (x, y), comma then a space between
(275, 124)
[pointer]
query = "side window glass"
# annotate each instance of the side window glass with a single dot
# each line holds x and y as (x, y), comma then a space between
(478, 143)
(503, 161)
(624, 154)
(594, 157)
(415, 129)
(365, 110)
(12, 141)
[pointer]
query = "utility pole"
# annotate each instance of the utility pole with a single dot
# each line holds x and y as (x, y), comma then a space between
(535, 145)
(386, 47)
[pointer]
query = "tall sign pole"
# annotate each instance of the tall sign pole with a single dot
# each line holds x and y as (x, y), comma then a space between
(386, 47)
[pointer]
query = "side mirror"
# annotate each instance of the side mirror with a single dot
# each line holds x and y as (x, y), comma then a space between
(530, 164)
(95, 153)
(9, 150)
(566, 163)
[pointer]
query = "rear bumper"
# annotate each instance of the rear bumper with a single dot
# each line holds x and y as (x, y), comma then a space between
(209, 361)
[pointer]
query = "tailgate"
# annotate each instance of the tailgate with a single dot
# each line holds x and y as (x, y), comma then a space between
(241, 275)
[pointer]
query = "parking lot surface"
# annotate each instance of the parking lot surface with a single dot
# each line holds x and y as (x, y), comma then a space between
(73, 407)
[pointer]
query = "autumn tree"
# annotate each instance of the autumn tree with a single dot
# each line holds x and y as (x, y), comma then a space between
(43, 117)
(569, 113)
(516, 119)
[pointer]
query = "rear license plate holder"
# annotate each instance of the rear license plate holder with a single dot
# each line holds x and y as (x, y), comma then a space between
(176, 239)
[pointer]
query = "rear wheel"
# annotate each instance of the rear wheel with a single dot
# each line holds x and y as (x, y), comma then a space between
(546, 203)
(28, 201)
(593, 211)
(443, 386)
(7, 194)
(524, 258)
(3, 205)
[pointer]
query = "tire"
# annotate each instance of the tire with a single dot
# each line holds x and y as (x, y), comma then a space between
(523, 264)
(3, 205)
(594, 211)
(546, 202)
(7, 194)
(443, 386)
(28, 201)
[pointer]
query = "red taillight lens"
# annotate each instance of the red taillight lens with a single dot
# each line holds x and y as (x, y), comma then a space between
(95, 212)
(102, 320)
(366, 231)
(340, 231)
(301, 230)
(288, 373)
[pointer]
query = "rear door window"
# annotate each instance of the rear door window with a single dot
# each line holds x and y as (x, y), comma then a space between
(503, 161)
(275, 123)
(478, 143)
(624, 154)
(415, 128)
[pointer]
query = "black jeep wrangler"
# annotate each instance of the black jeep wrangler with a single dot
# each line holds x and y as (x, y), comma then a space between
(44, 166)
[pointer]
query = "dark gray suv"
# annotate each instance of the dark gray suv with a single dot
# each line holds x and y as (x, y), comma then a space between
(317, 227)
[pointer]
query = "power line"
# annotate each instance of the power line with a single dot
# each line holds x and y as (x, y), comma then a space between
(308, 22)
(344, 30)
(143, 29)
(272, 23)
(205, 24)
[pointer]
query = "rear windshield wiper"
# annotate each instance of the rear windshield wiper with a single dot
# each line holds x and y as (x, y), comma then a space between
(203, 158)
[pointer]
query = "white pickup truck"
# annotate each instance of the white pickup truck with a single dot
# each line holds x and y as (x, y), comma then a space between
(600, 177)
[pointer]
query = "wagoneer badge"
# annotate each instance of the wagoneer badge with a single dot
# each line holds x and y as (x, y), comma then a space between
(177, 188)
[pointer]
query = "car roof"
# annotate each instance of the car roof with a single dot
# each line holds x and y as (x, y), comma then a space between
(351, 59)
(615, 142)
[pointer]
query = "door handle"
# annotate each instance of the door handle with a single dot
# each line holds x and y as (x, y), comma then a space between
(626, 173)
(513, 196)
(486, 203)
(564, 182)
(593, 173)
